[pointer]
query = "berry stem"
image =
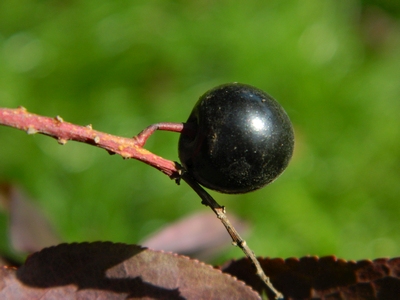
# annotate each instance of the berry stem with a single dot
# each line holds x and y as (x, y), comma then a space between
(143, 136)
(184, 128)
(237, 240)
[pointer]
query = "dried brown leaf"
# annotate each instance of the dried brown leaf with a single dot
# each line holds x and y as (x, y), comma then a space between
(104, 270)
(29, 230)
(198, 235)
(324, 278)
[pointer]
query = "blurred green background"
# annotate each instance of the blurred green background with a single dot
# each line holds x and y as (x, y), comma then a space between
(123, 65)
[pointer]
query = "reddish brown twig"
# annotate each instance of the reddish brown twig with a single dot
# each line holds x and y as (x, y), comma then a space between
(63, 131)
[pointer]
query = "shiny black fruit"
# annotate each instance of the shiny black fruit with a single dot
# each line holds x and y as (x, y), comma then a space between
(242, 139)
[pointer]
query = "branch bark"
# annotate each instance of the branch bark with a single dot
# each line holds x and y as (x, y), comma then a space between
(63, 132)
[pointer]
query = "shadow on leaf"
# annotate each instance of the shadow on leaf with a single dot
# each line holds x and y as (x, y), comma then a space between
(118, 271)
(89, 266)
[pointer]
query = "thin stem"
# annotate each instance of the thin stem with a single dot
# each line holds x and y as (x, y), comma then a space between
(236, 238)
(184, 128)
(142, 137)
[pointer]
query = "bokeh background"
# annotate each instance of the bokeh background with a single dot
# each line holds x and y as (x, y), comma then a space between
(123, 65)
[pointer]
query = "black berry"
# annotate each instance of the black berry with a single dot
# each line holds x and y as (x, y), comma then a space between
(242, 139)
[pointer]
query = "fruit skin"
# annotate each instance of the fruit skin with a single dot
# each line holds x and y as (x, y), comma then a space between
(243, 139)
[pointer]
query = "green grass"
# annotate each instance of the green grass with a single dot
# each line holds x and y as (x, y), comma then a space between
(122, 65)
